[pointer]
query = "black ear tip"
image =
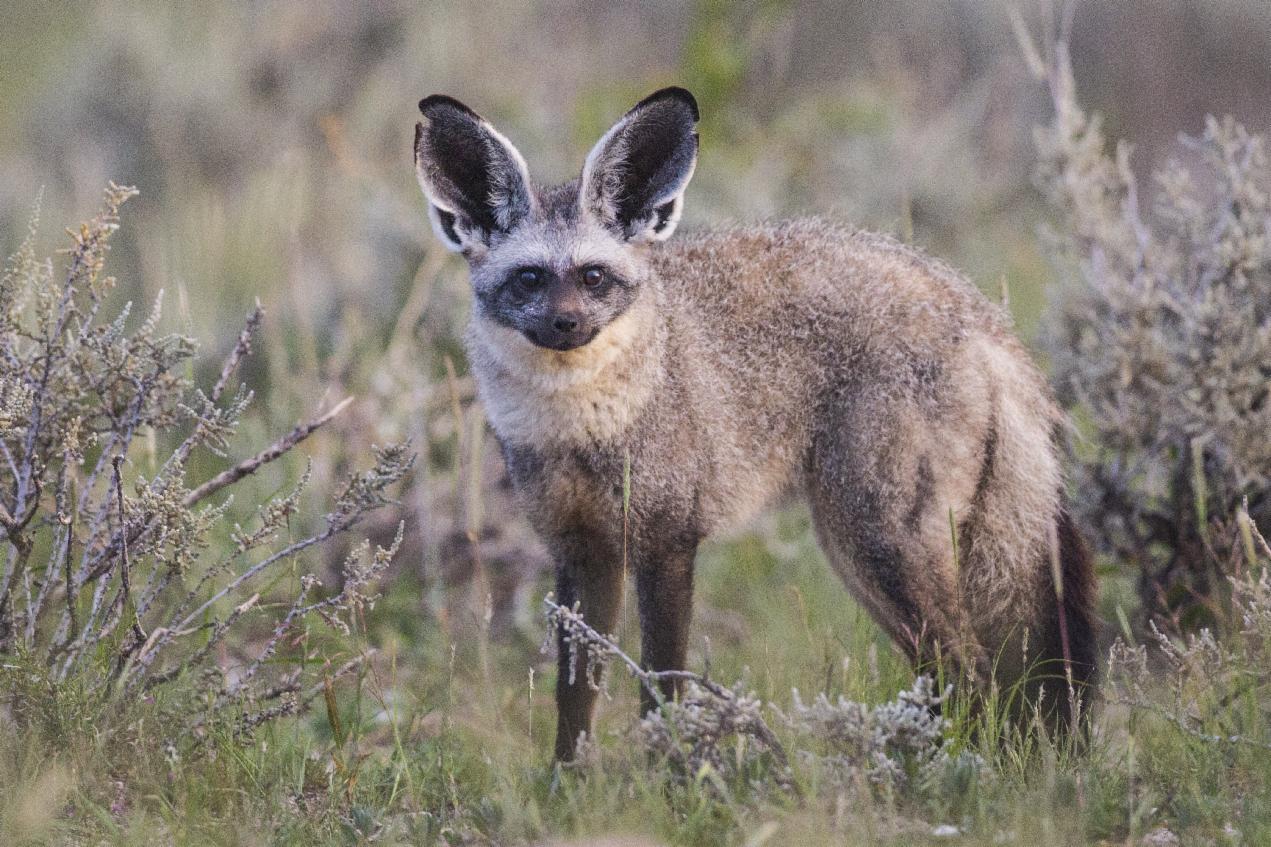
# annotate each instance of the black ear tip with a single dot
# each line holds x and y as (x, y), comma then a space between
(435, 102)
(676, 93)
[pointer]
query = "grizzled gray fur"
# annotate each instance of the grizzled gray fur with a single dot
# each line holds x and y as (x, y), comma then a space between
(736, 366)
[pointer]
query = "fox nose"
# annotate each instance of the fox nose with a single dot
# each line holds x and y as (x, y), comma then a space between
(565, 323)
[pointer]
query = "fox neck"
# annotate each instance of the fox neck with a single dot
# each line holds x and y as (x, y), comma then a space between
(589, 396)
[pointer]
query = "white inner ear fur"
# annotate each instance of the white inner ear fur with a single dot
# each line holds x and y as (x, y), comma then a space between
(650, 231)
(434, 216)
(503, 183)
(606, 160)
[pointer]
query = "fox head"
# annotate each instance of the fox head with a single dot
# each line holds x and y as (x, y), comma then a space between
(557, 265)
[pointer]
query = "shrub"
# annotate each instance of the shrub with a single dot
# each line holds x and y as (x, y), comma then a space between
(716, 735)
(118, 590)
(895, 746)
(1162, 348)
(1217, 692)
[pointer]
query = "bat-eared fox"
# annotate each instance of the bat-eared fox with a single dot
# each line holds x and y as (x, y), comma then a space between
(707, 376)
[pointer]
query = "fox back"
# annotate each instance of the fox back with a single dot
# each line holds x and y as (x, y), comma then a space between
(727, 369)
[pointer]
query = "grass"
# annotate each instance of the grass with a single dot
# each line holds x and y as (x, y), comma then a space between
(433, 745)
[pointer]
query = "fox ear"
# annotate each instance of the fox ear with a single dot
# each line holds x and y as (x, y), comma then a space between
(475, 180)
(634, 179)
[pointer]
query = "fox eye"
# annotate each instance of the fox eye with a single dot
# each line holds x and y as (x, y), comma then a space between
(593, 277)
(530, 277)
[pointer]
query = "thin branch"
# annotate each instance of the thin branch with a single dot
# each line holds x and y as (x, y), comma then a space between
(163, 635)
(251, 721)
(125, 575)
(289, 550)
(241, 349)
(67, 574)
(102, 562)
(264, 457)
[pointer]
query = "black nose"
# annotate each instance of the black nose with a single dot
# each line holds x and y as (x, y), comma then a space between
(565, 323)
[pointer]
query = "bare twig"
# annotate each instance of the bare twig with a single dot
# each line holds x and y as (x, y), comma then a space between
(241, 349)
(264, 457)
(161, 636)
(289, 550)
(125, 576)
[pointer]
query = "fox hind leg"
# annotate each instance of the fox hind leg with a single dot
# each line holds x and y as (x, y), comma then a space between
(880, 573)
(881, 506)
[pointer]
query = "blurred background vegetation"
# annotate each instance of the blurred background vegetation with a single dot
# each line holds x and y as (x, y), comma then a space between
(271, 143)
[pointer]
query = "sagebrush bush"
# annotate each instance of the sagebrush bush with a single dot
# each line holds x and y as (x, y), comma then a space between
(717, 735)
(1217, 692)
(893, 747)
(118, 589)
(1162, 348)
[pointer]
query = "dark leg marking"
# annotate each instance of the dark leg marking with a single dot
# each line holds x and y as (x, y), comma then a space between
(923, 492)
